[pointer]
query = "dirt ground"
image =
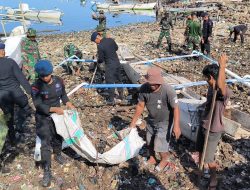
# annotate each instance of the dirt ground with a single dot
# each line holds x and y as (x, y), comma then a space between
(233, 156)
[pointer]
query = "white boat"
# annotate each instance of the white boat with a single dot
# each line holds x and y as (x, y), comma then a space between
(150, 13)
(24, 10)
(188, 100)
(35, 19)
(134, 6)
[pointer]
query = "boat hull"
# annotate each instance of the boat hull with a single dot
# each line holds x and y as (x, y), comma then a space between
(51, 14)
(190, 120)
(146, 6)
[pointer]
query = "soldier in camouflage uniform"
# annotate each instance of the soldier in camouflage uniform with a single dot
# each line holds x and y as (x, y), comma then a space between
(166, 24)
(72, 67)
(193, 33)
(102, 20)
(102, 31)
(30, 55)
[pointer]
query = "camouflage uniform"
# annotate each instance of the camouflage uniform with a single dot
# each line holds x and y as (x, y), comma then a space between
(194, 33)
(102, 21)
(70, 50)
(100, 29)
(166, 24)
(30, 55)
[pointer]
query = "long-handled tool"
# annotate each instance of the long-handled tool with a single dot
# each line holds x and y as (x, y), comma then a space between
(207, 133)
(92, 79)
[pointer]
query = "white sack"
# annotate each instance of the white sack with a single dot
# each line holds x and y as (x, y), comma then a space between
(69, 127)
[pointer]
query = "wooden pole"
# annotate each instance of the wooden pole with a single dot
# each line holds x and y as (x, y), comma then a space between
(92, 79)
(207, 132)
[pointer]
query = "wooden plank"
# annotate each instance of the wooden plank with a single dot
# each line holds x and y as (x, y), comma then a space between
(231, 127)
(241, 117)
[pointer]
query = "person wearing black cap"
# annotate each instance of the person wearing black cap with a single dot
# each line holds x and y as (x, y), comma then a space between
(47, 91)
(107, 48)
(206, 34)
(11, 94)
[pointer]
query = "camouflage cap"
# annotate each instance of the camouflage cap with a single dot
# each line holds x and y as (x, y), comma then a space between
(31, 32)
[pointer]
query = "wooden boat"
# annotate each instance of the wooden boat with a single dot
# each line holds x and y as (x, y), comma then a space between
(24, 10)
(150, 13)
(34, 19)
(135, 6)
(188, 100)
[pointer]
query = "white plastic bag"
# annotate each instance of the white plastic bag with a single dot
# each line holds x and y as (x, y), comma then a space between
(37, 155)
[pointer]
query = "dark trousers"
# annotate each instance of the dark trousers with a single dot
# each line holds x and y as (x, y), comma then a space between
(241, 36)
(112, 76)
(46, 131)
(8, 100)
(205, 46)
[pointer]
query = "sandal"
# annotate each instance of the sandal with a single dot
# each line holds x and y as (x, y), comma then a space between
(148, 165)
(169, 168)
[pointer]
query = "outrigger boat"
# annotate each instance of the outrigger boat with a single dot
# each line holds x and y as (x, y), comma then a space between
(134, 6)
(150, 13)
(31, 14)
(189, 101)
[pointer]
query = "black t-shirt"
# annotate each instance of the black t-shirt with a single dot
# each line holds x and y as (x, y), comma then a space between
(107, 52)
(11, 77)
(46, 95)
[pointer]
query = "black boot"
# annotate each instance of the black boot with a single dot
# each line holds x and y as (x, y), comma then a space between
(60, 159)
(47, 177)
(170, 48)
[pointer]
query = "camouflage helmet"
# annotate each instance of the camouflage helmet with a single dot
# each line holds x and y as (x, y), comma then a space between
(31, 32)
(101, 12)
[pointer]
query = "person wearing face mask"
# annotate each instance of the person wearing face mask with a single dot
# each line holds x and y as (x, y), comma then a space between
(47, 92)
